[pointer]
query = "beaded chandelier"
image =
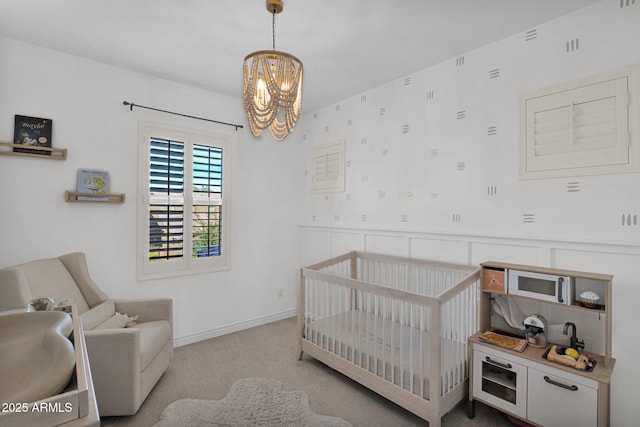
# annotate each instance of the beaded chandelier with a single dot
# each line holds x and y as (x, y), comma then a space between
(272, 87)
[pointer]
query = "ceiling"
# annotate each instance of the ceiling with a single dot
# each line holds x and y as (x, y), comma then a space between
(346, 46)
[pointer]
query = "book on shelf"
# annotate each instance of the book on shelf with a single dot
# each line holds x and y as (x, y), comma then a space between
(505, 341)
(94, 184)
(32, 132)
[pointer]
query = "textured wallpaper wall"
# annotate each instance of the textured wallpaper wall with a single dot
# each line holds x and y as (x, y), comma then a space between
(436, 150)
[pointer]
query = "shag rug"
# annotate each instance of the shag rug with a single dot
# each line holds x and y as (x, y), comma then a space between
(250, 402)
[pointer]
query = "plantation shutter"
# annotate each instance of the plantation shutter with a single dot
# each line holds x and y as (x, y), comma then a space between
(207, 201)
(578, 130)
(327, 167)
(166, 199)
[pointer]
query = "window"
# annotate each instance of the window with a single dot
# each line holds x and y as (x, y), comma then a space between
(182, 218)
(327, 167)
(582, 127)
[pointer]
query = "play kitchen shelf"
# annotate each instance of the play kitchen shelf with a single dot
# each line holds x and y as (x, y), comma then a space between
(525, 384)
(38, 152)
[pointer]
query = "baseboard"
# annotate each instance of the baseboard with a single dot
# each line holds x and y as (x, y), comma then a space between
(233, 327)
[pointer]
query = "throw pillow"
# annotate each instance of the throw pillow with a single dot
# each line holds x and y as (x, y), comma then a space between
(118, 320)
(98, 314)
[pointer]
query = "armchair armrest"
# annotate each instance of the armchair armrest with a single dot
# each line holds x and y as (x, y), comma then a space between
(114, 358)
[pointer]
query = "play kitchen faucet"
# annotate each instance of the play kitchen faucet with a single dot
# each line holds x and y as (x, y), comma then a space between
(574, 343)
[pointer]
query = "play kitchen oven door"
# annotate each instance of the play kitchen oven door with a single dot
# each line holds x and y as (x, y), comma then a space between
(546, 287)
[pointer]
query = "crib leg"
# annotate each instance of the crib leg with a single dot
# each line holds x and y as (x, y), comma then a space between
(300, 355)
(471, 409)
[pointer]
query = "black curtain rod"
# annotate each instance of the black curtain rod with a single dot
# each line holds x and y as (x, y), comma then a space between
(131, 105)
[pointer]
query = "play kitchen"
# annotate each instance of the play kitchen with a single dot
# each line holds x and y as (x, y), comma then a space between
(544, 344)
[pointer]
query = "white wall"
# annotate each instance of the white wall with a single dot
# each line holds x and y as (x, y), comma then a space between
(84, 100)
(428, 176)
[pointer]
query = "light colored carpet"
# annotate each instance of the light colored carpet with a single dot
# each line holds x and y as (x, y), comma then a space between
(256, 402)
(207, 370)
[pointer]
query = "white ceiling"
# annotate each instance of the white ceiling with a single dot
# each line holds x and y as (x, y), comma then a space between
(346, 46)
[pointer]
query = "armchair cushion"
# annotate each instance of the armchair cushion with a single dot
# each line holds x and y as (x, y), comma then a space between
(97, 315)
(153, 336)
(50, 278)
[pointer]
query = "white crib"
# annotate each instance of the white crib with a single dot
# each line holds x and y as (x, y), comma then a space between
(398, 326)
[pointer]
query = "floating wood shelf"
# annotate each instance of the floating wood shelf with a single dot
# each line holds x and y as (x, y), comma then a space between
(39, 152)
(75, 197)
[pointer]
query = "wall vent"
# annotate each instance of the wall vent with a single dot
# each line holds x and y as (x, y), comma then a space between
(435, 152)
(492, 190)
(363, 218)
(326, 197)
(530, 35)
(456, 218)
(461, 114)
(338, 107)
(384, 153)
(404, 218)
(363, 98)
(305, 137)
(430, 94)
(460, 61)
(495, 73)
(627, 3)
(461, 166)
(364, 178)
(528, 218)
(383, 111)
(363, 141)
(348, 196)
(381, 194)
(405, 128)
(492, 130)
(349, 163)
(434, 196)
(336, 218)
(349, 122)
(314, 218)
(409, 195)
(407, 81)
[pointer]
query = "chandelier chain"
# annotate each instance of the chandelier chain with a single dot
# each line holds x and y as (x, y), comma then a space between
(273, 26)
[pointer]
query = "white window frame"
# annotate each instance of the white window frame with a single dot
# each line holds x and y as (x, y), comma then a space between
(572, 157)
(186, 264)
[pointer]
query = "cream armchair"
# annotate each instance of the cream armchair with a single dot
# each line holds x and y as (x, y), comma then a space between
(130, 342)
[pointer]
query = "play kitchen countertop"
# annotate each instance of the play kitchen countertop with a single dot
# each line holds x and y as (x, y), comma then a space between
(600, 373)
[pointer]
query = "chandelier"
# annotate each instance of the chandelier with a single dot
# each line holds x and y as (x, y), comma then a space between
(272, 86)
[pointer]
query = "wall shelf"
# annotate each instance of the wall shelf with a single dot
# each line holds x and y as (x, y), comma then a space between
(76, 197)
(47, 152)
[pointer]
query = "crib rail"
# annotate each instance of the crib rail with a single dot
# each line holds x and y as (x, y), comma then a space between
(404, 320)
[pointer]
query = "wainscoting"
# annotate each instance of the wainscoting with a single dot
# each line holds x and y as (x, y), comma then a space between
(620, 260)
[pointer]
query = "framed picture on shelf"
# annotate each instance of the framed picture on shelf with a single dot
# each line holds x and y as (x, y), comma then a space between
(32, 132)
(95, 182)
